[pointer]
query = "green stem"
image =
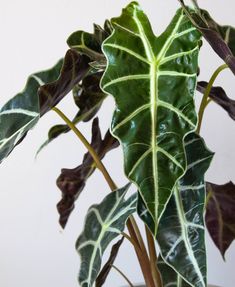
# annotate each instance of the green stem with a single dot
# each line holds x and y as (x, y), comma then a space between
(123, 275)
(205, 99)
(92, 152)
(131, 224)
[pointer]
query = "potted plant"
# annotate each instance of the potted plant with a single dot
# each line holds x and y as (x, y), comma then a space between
(153, 81)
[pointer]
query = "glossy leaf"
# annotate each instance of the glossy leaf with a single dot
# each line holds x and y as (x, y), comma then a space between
(220, 214)
(219, 96)
(100, 280)
(88, 97)
(181, 229)
(71, 182)
(21, 113)
(103, 223)
(170, 277)
(152, 80)
(74, 69)
(221, 38)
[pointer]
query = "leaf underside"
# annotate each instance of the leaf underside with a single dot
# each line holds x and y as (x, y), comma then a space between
(103, 223)
(152, 120)
(71, 182)
(219, 96)
(220, 214)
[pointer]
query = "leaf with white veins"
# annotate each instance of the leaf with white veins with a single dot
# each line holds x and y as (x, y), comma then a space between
(153, 81)
(103, 223)
(181, 229)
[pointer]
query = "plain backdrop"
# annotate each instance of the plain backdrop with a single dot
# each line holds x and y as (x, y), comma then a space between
(34, 250)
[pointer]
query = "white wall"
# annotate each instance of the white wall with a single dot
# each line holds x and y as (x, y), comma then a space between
(34, 250)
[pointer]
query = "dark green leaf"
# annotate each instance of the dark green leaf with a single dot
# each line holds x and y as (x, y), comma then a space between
(153, 81)
(72, 181)
(220, 214)
(75, 68)
(170, 277)
(218, 95)
(22, 112)
(181, 230)
(100, 280)
(103, 223)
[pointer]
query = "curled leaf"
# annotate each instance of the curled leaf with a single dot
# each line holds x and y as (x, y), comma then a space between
(100, 280)
(74, 69)
(219, 96)
(220, 214)
(71, 182)
(220, 38)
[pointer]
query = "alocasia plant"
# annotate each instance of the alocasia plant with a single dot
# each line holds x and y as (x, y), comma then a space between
(153, 80)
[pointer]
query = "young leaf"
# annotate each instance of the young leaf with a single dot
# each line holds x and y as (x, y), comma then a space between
(71, 182)
(103, 223)
(89, 44)
(218, 95)
(21, 113)
(152, 80)
(170, 277)
(100, 280)
(220, 214)
(181, 229)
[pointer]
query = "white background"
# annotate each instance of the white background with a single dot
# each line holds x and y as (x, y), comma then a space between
(34, 251)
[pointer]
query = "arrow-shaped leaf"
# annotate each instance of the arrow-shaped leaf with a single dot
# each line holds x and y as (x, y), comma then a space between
(220, 214)
(181, 229)
(71, 182)
(152, 80)
(21, 113)
(103, 223)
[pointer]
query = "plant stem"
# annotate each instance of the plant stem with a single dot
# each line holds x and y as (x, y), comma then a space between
(123, 275)
(153, 258)
(92, 152)
(131, 224)
(205, 99)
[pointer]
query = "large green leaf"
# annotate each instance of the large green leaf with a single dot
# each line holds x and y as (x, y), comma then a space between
(181, 229)
(153, 81)
(103, 223)
(71, 182)
(22, 112)
(220, 214)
